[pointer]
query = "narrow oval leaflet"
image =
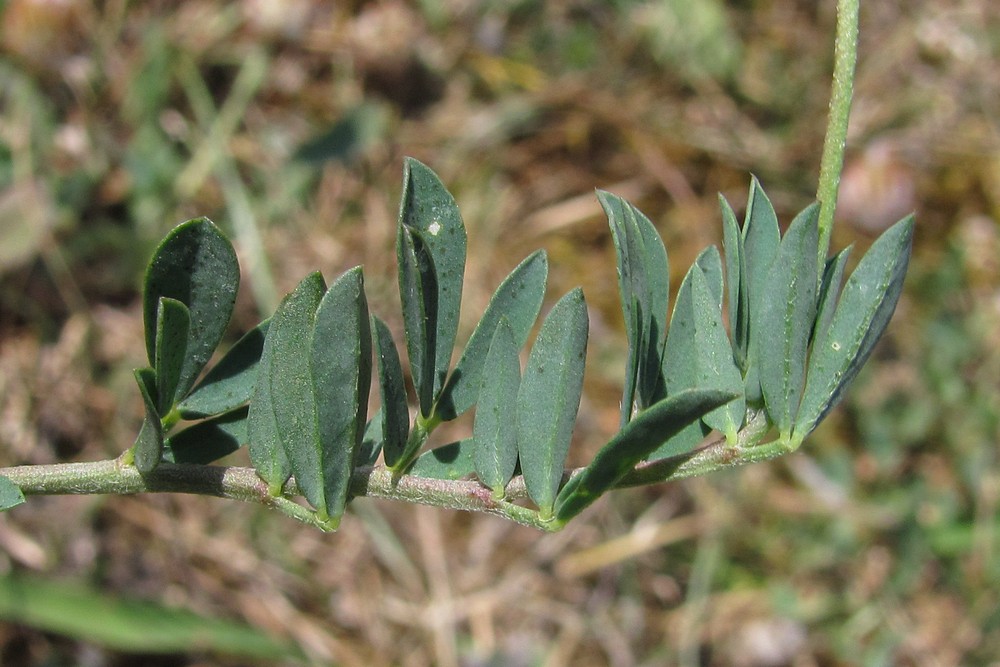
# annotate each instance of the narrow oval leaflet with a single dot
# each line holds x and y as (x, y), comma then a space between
(394, 414)
(493, 431)
(451, 461)
(519, 299)
(866, 305)
(341, 369)
(419, 297)
(736, 287)
(148, 448)
(829, 292)
(761, 238)
(208, 440)
(428, 208)
(637, 440)
(196, 265)
(267, 454)
(10, 494)
(788, 310)
(549, 397)
(229, 383)
(172, 323)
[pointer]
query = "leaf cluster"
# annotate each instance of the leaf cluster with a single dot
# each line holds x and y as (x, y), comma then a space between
(295, 389)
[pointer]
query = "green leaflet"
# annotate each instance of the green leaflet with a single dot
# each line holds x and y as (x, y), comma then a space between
(209, 440)
(429, 211)
(371, 442)
(282, 414)
(172, 323)
(644, 288)
(230, 382)
(518, 298)
(148, 448)
(549, 397)
(761, 238)
(394, 415)
(451, 461)
(419, 295)
(865, 307)
(340, 366)
(698, 355)
(494, 432)
(633, 443)
(788, 310)
(710, 263)
(829, 292)
(196, 265)
(10, 494)
(739, 306)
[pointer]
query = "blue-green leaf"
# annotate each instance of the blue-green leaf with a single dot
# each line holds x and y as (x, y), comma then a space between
(494, 432)
(451, 461)
(549, 398)
(148, 448)
(788, 310)
(698, 355)
(644, 287)
(710, 263)
(10, 494)
(419, 295)
(394, 414)
(341, 369)
(172, 322)
(739, 307)
(829, 291)
(371, 442)
(637, 440)
(196, 265)
(761, 237)
(429, 210)
(209, 440)
(283, 431)
(230, 383)
(865, 308)
(518, 298)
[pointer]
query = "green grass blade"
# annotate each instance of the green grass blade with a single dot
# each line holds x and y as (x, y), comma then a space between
(293, 398)
(644, 288)
(394, 415)
(209, 440)
(429, 209)
(10, 494)
(518, 299)
(452, 461)
(132, 626)
(148, 448)
(494, 432)
(196, 265)
(229, 383)
(341, 370)
(418, 293)
(788, 310)
(549, 398)
(865, 308)
(637, 440)
(172, 324)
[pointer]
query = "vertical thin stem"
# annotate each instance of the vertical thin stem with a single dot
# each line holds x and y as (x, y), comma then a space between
(845, 57)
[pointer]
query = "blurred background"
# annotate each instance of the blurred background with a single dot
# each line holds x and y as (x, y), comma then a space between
(286, 121)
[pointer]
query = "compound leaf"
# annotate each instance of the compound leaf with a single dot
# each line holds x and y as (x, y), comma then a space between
(788, 310)
(518, 299)
(549, 397)
(637, 440)
(172, 323)
(394, 415)
(429, 210)
(866, 305)
(209, 440)
(229, 383)
(148, 448)
(196, 265)
(494, 432)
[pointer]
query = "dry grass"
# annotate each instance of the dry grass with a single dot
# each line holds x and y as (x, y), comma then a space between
(876, 545)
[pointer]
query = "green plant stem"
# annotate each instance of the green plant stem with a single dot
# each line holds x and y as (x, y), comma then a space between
(118, 477)
(845, 52)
